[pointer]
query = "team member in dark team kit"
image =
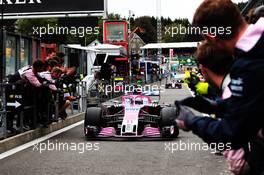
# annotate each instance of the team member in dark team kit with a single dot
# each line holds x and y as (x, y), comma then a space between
(243, 114)
(215, 64)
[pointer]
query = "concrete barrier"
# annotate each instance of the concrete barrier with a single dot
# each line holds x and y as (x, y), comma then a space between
(28, 136)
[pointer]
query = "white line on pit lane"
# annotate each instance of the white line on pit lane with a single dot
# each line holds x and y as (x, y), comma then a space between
(36, 141)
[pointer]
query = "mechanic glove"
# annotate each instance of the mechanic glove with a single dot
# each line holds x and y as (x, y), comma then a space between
(200, 104)
(184, 117)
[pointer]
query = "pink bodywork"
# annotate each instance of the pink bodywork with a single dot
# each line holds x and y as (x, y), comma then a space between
(131, 114)
(136, 97)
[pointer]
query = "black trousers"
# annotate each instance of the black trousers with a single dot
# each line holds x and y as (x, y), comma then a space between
(255, 156)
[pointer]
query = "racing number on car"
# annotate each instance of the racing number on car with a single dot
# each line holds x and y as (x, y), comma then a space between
(129, 128)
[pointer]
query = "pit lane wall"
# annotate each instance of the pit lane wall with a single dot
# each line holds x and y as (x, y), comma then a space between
(28, 136)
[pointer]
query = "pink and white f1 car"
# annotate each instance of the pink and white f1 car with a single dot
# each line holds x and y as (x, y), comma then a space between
(135, 117)
(174, 84)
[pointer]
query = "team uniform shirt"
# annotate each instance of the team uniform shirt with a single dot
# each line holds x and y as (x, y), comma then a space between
(235, 158)
(243, 116)
(27, 74)
(47, 76)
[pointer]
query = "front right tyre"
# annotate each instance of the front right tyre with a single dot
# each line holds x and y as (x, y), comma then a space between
(168, 123)
(93, 118)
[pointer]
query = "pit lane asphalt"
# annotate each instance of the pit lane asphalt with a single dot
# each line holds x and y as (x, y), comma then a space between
(116, 157)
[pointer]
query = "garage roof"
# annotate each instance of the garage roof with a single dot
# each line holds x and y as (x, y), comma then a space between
(170, 45)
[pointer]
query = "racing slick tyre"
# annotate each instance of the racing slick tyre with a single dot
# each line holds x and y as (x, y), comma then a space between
(93, 116)
(168, 116)
(168, 124)
(92, 119)
(167, 86)
(179, 86)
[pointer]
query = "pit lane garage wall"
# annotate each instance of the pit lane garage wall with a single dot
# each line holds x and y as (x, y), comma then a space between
(20, 51)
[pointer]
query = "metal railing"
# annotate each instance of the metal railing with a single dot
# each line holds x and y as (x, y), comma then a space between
(17, 115)
(3, 123)
(14, 109)
(82, 100)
